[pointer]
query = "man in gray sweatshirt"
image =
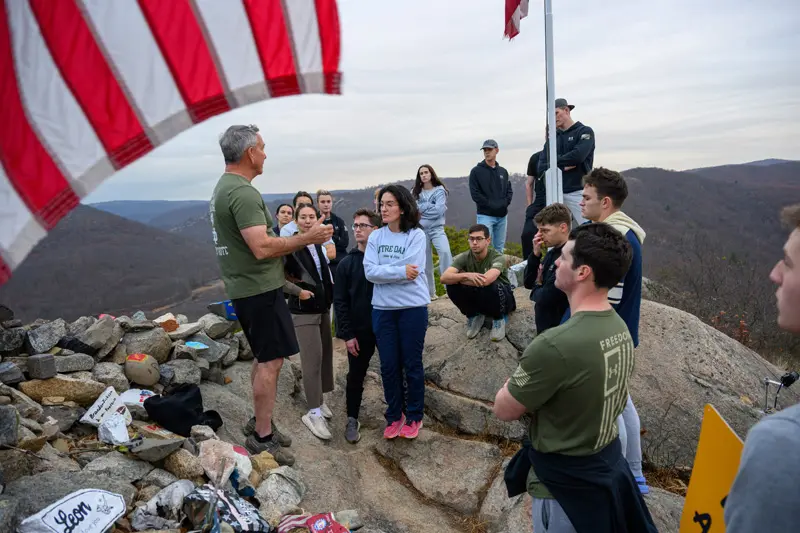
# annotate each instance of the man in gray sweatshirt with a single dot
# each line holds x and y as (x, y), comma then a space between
(766, 492)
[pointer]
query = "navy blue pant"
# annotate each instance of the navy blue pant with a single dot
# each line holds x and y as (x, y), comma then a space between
(400, 336)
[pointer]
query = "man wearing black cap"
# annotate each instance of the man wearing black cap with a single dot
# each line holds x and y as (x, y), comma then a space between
(491, 191)
(575, 149)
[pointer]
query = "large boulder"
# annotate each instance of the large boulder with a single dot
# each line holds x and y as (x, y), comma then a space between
(80, 391)
(453, 472)
(103, 336)
(46, 336)
(38, 491)
(666, 509)
(469, 416)
(154, 342)
(683, 364)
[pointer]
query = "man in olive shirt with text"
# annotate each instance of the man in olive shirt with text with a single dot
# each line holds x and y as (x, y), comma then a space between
(249, 255)
(573, 381)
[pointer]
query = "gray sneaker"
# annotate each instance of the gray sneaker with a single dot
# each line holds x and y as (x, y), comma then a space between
(498, 330)
(351, 433)
(282, 457)
(283, 440)
(474, 326)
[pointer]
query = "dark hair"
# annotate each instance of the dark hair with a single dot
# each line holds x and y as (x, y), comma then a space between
(301, 207)
(604, 250)
(434, 180)
(284, 205)
(302, 194)
(478, 227)
(790, 216)
(374, 218)
(608, 183)
(553, 214)
(409, 213)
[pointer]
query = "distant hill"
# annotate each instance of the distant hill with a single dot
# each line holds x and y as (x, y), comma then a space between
(144, 211)
(95, 262)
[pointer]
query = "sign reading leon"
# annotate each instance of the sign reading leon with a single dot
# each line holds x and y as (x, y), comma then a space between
(715, 467)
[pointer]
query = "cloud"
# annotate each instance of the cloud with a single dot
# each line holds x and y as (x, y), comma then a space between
(675, 84)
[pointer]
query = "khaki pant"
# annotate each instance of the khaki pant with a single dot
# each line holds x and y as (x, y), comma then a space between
(316, 355)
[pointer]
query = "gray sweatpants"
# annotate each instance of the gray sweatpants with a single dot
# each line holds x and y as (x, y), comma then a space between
(550, 517)
(316, 355)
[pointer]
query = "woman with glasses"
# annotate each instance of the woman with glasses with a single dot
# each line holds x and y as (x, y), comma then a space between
(431, 196)
(308, 269)
(395, 263)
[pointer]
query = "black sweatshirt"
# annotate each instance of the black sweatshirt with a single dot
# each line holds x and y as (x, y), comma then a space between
(341, 239)
(550, 303)
(575, 148)
(490, 189)
(352, 297)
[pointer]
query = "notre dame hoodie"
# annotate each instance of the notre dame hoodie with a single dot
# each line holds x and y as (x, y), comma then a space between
(385, 262)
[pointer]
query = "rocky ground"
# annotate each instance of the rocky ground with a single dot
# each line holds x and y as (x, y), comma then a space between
(449, 479)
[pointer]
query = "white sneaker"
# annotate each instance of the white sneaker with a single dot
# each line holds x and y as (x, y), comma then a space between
(317, 425)
(498, 330)
(474, 326)
(434, 297)
(326, 411)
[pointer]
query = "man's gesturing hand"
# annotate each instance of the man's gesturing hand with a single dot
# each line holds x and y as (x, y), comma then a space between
(319, 233)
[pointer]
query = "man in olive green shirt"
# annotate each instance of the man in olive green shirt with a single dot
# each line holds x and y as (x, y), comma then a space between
(573, 382)
(249, 256)
(477, 283)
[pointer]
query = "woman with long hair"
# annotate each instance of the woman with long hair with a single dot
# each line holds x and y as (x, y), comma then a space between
(284, 215)
(431, 196)
(308, 269)
(395, 263)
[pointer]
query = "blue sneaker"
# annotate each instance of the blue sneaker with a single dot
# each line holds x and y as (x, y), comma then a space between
(498, 330)
(474, 325)
(642, 482)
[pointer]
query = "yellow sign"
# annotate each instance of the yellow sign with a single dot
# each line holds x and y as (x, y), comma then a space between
(715, 465)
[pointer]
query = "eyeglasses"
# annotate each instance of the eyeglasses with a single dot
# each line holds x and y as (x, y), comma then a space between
(362, 226)
(476, 239)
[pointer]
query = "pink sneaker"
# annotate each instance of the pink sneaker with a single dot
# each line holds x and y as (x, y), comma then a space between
(394, 429)
(411, 430)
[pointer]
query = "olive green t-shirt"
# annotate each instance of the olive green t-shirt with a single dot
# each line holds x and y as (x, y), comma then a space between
(467, 262)
(573, 379)
(236, 205)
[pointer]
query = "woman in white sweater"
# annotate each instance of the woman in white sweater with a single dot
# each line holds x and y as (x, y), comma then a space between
(395, 263)
(431, 196)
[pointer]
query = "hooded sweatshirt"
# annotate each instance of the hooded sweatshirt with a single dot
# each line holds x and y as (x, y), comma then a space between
(490, 189)
(385, 262)
(626, 297)
(432, 205)
(575, 148)
(352, 297)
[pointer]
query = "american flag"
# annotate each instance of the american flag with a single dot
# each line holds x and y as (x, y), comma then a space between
(89, 86)
(516, 10)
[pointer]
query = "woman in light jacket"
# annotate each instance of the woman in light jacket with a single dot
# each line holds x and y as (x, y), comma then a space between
(308, 269)
(395, 263)
(431, 196)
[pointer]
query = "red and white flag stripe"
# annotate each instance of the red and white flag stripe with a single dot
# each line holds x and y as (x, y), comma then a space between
(516, 10)
(89, 86)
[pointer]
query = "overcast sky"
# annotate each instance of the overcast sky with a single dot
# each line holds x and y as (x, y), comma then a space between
(671, 83)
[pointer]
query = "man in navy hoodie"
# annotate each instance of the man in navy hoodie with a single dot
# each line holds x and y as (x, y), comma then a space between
(575, 149)
(604, 192)
(491, 191)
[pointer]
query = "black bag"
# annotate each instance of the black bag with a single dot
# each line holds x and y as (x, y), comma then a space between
(181, 409)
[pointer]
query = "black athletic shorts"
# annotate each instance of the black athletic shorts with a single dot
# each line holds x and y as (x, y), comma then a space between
(267, 324)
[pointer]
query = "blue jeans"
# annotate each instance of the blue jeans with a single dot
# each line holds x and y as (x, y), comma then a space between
(436, 237)
(400, 336)
(497, 230)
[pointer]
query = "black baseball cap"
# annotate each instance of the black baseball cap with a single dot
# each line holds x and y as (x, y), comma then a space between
(562, 102)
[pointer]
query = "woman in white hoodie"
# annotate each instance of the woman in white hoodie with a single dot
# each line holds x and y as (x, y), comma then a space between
(395, 263)
(431, 196)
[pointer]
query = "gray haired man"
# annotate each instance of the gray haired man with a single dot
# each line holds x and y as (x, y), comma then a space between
(249, 255)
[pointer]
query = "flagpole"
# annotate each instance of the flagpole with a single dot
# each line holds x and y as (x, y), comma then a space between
(553, 176)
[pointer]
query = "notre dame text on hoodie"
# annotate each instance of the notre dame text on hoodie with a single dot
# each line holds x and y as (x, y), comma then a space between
(385, 262)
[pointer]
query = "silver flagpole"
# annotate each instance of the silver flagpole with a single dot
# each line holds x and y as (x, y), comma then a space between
(553, 176)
